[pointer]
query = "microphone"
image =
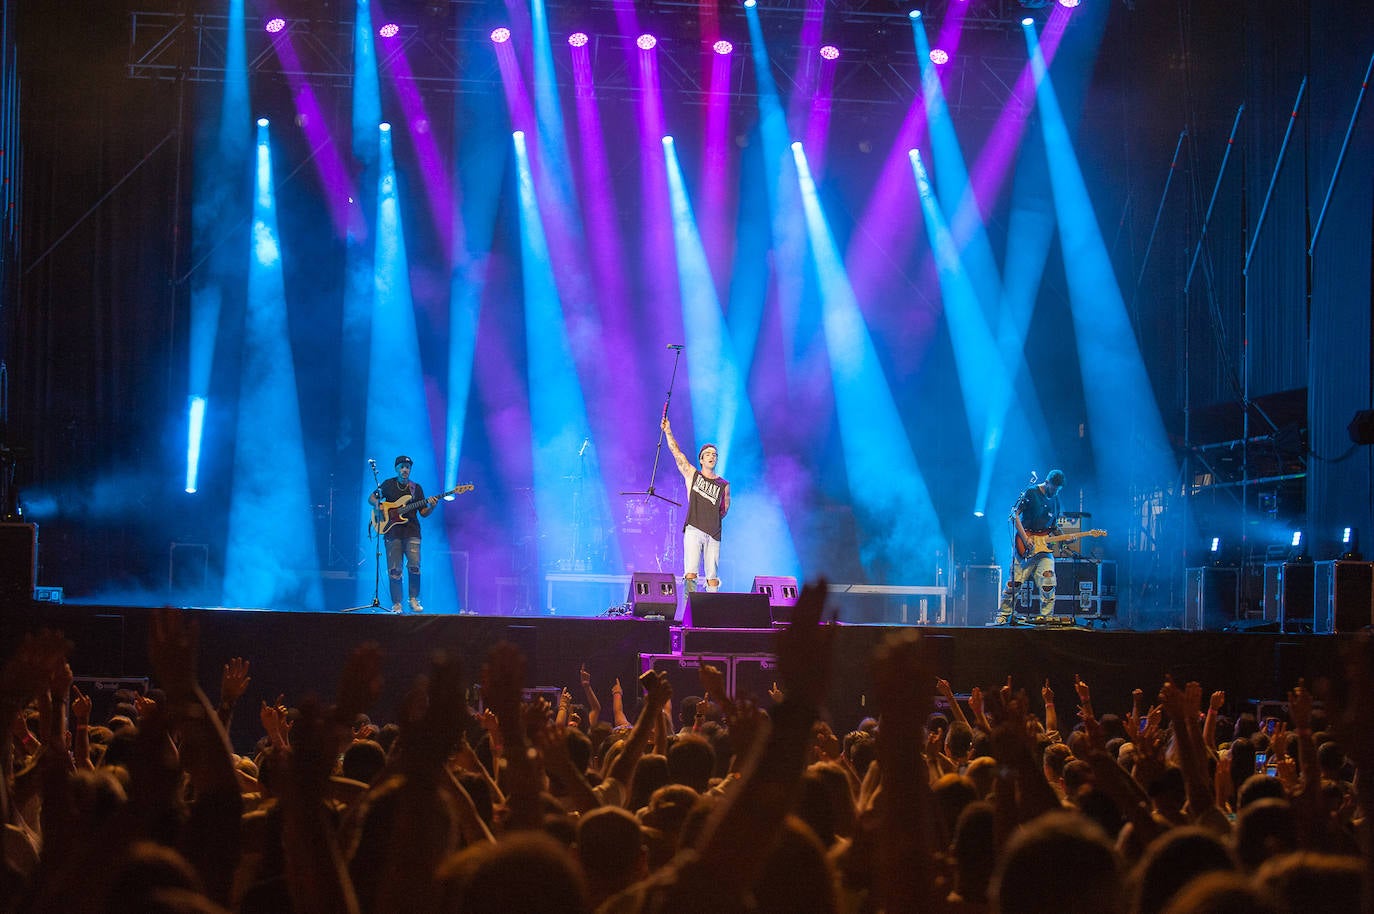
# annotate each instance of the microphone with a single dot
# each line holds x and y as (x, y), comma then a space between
(1035, 477)
(678, 346)
(372, 463)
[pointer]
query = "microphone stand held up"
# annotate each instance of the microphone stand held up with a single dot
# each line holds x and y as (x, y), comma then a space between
(658, 450)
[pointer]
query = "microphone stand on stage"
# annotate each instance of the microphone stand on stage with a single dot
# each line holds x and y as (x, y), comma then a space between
(373, 533)
(658, 451)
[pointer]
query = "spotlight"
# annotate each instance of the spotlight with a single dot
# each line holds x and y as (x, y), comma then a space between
(646, 42)
(830, 52)
(275, 24)
(722, 47)
(518, 136)
(914, 14)
(500, 35)
(750, 4)
(384, 127)
(796, 146)
(578, 39)
(667, 141)
(939, 56)
(977, 513)
(1028, 22)
(1297, 539)
(1216, 545)
(1350, 539)
(390, 30)
(1068, 4)
(262, 122)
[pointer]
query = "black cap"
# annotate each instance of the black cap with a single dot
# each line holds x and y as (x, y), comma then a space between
(403, 459)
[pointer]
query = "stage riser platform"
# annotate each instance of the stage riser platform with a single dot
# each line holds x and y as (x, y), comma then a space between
(301, 653)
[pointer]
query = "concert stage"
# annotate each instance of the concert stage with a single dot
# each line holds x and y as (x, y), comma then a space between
(296, 654)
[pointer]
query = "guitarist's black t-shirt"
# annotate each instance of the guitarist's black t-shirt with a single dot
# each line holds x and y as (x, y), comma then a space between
(1038, 511)
(392, 491)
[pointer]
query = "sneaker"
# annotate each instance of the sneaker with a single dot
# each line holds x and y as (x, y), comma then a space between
(396, 607)
(415, 606)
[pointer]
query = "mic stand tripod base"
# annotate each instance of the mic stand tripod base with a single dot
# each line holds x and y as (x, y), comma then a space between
(375, 604)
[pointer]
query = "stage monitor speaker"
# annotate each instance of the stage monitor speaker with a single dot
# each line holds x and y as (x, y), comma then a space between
(781, 593)
(653, 593)
(18, 563)
(729, 610)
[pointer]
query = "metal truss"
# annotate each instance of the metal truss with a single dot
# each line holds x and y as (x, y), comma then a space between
(877, 64)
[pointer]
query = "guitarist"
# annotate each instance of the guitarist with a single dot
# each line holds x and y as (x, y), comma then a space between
(403, 537)
(1035, 512)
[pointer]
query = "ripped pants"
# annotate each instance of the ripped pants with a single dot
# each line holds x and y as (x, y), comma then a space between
(1039, 569)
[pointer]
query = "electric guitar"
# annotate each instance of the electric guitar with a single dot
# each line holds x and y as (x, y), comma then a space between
(1035, 543)
(390, 513)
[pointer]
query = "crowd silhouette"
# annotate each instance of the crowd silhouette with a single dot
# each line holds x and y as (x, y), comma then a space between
(1167, 801)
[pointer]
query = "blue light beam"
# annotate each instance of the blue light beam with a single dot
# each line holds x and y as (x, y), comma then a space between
(270, 557)
(896, 515)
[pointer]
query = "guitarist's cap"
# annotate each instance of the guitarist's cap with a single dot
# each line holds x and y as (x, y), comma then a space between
(403, 461)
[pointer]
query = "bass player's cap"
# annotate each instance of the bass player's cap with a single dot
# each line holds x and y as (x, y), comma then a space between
(403, 460)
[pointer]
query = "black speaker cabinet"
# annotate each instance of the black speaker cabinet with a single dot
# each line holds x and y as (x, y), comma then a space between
(653, 593)
(1212, 598)
(979, 591)
(18, 563)
(1343, 597)
(1296, 581)
(729, 610)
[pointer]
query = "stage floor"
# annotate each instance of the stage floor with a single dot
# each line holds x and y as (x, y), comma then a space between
(297, 654)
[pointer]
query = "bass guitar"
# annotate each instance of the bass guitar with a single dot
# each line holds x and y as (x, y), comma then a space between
(1036, 543)
(390, 513)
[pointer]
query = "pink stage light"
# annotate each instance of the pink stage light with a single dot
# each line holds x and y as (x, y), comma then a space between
(501, 35)
(939, 56)
(722, 47)
(275, 25)
(830, 52)
(578, 39)
(646, 42)
(390, 30)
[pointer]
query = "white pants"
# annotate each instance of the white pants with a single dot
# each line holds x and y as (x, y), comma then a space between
(697, 549)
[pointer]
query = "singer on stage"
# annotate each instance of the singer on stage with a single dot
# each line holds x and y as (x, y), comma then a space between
(708, 499)
(401, 527)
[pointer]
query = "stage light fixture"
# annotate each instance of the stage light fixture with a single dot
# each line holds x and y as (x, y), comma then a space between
(939, 56)
(1028, 22)
(722, 47)
(384, 127)
(1350, 539)
(263, 122)
(578, 39)
(390, 30)
(977, 513)
(750, 4)
(275, 25)
(667, 141)
(646, 42)
(914, 14)
(830, 52)
(1216, 545)
(500, 35)
(1069, 4)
